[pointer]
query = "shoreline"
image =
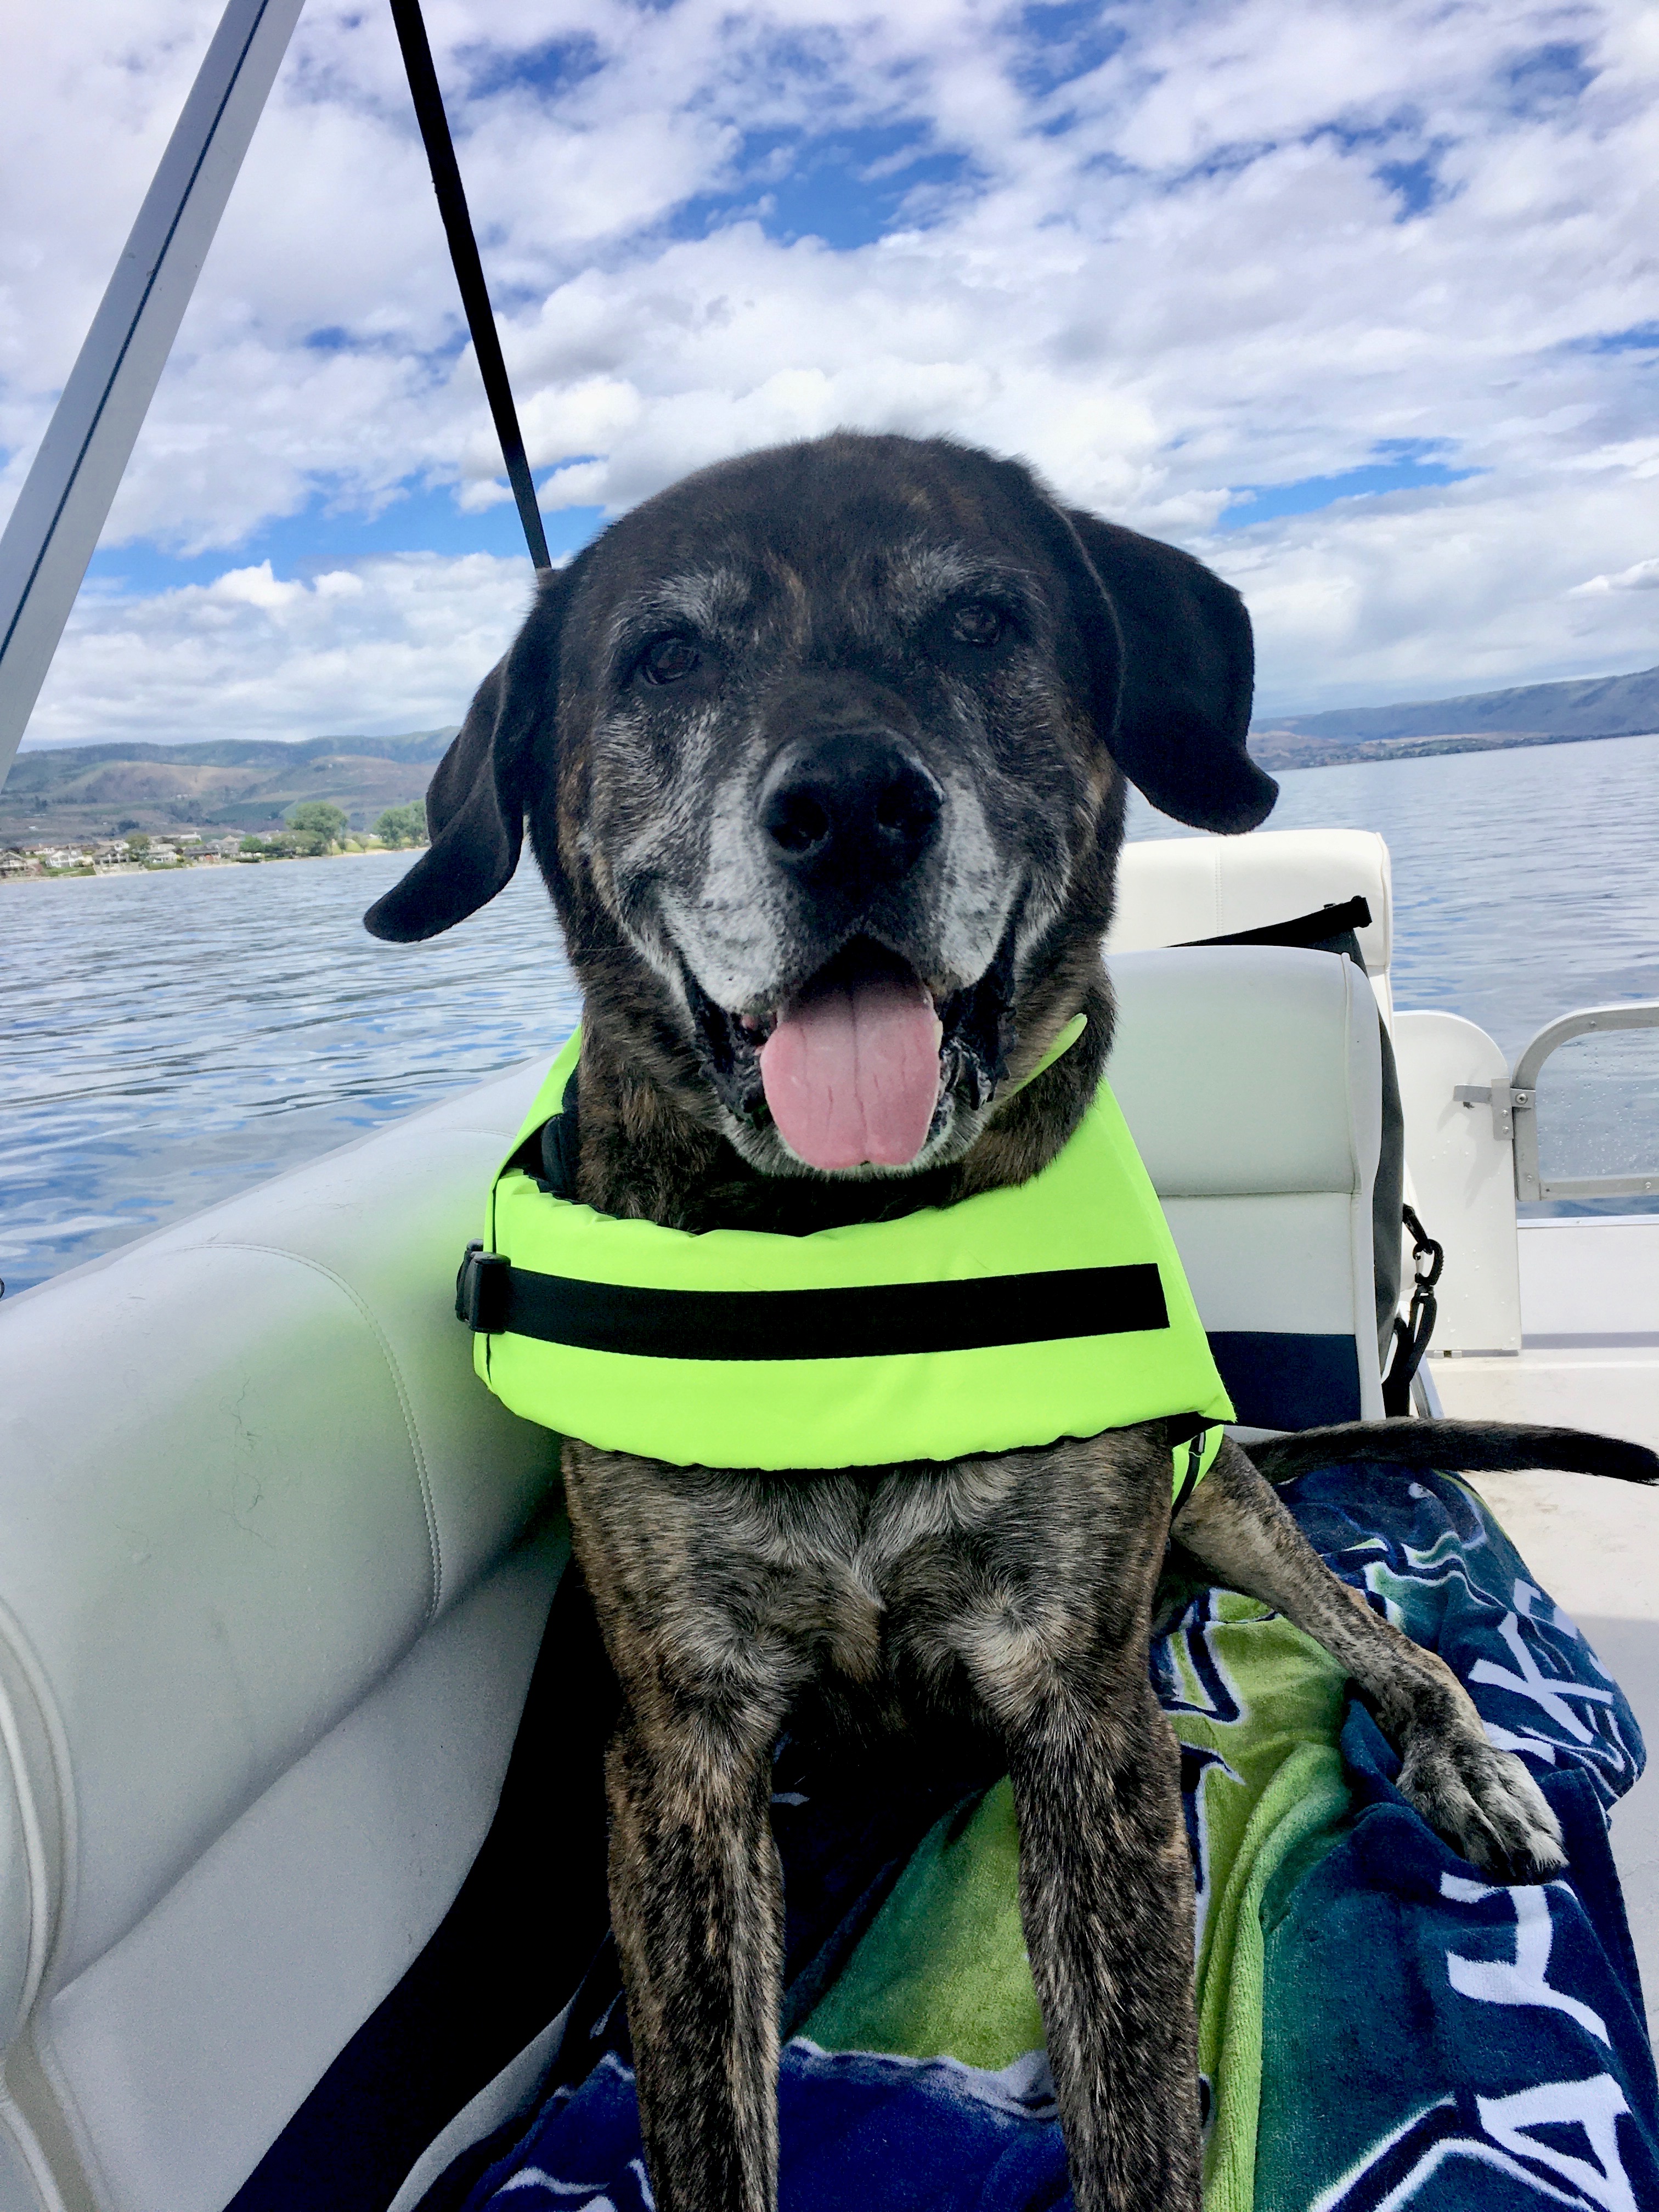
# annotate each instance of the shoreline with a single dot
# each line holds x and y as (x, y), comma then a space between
(1277, 758)
(42, 875)
(1293, 752)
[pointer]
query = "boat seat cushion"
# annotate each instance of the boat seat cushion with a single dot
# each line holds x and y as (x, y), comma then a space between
(1251, 1078)
(1175, 890)
(1183, 891)
(244, 1467)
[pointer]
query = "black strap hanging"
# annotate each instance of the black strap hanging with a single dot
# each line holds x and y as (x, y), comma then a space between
(1410, 1336)
(1333, 929)
(469, 271)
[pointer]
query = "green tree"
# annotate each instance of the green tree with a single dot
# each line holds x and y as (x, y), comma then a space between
(138, 844)
(317, 825)
(403, 825)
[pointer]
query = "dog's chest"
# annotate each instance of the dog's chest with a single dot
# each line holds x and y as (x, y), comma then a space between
(846, 1566)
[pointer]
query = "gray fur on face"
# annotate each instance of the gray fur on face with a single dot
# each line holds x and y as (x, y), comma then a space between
(695, 880)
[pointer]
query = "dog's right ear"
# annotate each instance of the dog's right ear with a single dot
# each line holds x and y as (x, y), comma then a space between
(474, 803)
(1184, 679)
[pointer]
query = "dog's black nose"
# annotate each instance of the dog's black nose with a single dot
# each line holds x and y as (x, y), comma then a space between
(854, 806)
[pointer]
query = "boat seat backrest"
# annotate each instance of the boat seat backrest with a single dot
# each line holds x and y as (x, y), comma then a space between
(1175, 890)
(1251, 1079)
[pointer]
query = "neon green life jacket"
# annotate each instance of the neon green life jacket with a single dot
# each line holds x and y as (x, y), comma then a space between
(1054, 1307)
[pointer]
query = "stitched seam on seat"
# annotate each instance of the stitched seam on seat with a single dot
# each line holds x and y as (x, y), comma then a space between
(51, 1908)
(417, 1450)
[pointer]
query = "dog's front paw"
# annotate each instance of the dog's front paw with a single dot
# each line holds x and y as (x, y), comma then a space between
(1484, 1802)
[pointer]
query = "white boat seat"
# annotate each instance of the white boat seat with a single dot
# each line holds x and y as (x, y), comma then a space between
(1181, 891)
(266, 1622)
(1251, 1078)
(268, 1613)
(1176, 891)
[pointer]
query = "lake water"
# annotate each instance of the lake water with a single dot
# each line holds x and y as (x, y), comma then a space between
(172, 1039)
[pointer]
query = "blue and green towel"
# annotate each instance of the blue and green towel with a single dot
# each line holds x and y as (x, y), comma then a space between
(1378, 2027)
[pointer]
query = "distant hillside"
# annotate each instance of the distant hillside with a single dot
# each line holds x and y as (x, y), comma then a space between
(73, 792)
(1533, 714)
(68, 793)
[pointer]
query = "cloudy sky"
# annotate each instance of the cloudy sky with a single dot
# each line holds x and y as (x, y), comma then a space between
(1356, 299)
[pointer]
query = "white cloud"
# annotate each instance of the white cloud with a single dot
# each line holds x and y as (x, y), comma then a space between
(1640, 576)
(253, 587)
(1373, 601)
(1244, 244)
(400, 644)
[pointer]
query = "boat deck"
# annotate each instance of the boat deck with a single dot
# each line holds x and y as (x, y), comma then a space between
(1589, 1358)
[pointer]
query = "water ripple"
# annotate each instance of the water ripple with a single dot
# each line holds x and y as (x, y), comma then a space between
(175, 1038)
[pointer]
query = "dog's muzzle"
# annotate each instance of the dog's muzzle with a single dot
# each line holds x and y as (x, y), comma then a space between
(968, 1034)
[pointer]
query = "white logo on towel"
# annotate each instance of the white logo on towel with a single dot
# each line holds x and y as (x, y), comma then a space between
(577, 2196)
(1402, 2170)
(1595, 2107)
(1519, 1981)
(1549, 1690)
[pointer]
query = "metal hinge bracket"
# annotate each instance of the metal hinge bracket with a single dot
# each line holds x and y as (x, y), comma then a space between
(1506, 1104)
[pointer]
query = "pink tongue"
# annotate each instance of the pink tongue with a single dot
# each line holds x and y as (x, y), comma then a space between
(853, 1075)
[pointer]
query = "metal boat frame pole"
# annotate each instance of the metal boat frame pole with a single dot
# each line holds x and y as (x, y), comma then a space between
(1515, 1105)
(66, 497)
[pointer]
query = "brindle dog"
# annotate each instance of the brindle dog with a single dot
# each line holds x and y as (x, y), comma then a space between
(847, 725)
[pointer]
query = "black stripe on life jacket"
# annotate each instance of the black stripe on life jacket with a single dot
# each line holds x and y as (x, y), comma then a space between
(868, 1321)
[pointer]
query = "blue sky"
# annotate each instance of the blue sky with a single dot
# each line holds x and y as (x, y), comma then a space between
(329, 533)
(1356, 301)
(1396, 465)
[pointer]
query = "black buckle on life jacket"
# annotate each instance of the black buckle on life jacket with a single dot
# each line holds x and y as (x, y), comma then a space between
(482, 1288)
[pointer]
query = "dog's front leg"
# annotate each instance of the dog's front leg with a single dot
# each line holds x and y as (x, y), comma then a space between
(1106, 1897)
(1483, 1801)
(698, 1906)
(1051, 1622)
(699, 1629)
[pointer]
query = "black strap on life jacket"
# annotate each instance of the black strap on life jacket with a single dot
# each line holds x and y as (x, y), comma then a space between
(549, 1152)
(493, 1298)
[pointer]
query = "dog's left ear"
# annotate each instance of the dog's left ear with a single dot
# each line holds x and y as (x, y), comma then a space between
(475, 802)
(1184, 680)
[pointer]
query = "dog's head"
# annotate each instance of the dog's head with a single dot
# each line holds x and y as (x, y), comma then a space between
(822, 755)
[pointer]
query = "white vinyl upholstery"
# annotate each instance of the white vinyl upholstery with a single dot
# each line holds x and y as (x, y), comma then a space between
(1172, 889)
(188, 2043)
(1175, 891)
(1462, 1178)
(1251, 1079)
(246, 1474)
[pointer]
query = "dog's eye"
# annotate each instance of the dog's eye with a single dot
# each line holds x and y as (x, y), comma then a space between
(978, 623)
(666, 659)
